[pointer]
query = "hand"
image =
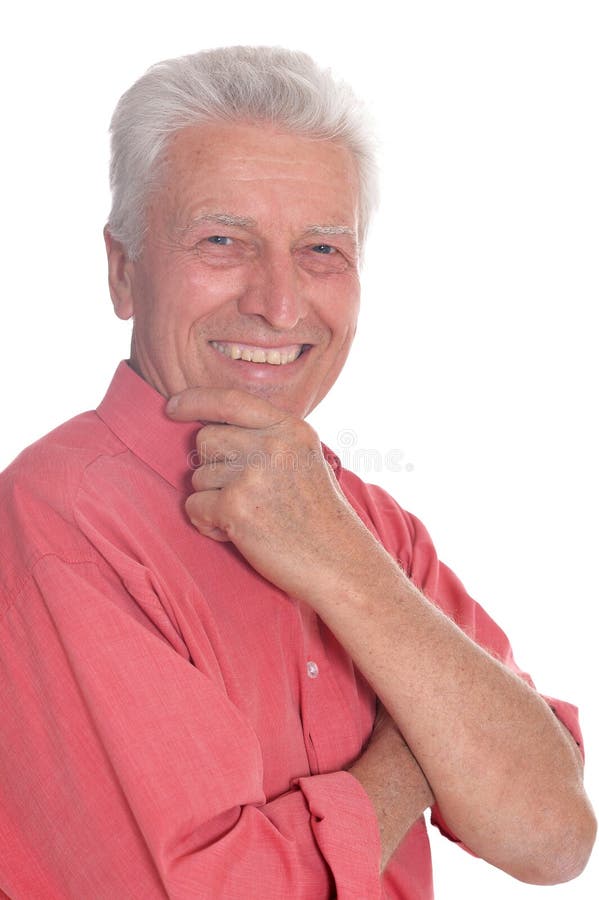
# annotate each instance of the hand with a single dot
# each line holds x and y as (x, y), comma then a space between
(264, 484)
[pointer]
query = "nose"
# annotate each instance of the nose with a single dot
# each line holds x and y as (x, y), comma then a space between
(274, 292)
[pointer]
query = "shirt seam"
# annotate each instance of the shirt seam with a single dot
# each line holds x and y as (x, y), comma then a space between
(28, 578)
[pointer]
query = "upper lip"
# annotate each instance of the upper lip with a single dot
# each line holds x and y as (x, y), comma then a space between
(262, 345)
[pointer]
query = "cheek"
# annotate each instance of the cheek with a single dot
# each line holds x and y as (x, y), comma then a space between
(194, 292)
(340, 312)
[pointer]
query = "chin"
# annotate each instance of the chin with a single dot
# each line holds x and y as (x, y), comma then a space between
(286, 402)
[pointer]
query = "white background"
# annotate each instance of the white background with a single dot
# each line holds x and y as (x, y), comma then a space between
(477, 354)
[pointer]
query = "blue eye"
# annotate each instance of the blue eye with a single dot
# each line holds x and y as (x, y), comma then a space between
(220, 240)
(325, 249)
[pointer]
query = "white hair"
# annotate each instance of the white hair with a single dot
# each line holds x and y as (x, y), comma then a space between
(229, 84)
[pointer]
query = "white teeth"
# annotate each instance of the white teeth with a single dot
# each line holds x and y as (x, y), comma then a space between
(259, 354)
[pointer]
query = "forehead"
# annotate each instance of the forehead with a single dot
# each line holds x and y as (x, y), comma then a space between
(260, 168)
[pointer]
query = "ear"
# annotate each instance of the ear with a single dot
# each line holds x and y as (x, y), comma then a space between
(120, 281)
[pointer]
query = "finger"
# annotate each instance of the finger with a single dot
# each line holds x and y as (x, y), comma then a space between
(224, 405)
(202, 509)
(213, 476)
(228, 443)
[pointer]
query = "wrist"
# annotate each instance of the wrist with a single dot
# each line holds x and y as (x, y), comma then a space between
(350, 569)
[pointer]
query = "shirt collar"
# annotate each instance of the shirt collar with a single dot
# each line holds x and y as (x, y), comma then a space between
(135, 412)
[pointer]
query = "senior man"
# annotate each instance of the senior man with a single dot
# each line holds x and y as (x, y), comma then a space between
(229, 668)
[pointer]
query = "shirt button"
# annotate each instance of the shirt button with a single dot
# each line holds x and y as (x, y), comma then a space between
(312, 669)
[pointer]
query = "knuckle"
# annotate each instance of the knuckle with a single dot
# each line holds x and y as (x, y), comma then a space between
(205, 436)
(307, 434)
(198, 478)
(194, 509)
(201, 515)
(239, 503)
(300, 433)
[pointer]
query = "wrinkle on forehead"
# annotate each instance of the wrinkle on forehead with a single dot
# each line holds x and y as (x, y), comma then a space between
(262, 145)
(202, 158)
(277, 169)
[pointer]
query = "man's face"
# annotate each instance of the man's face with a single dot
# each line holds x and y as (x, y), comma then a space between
(249, 273)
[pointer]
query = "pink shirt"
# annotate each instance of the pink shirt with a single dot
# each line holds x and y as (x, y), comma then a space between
(172, 725)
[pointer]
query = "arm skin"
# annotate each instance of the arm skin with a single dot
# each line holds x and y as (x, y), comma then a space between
(507, 778)
(394, 782)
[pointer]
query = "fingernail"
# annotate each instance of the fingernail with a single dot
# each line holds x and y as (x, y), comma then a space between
(172, 404)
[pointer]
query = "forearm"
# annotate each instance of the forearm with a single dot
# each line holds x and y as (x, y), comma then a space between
(506, 778)
(504, 774)
(395, 785)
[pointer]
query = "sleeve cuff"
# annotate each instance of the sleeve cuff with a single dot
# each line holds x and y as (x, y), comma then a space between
(345, 827)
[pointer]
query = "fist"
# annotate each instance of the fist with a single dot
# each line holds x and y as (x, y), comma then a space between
(263, 483)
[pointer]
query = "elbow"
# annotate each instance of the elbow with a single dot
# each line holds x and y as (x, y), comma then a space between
(563, 856)
(575, 855)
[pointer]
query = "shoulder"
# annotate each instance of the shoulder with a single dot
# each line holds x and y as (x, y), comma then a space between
(38, 493)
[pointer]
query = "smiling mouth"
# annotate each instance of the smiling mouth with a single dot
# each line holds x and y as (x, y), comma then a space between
(273, 356)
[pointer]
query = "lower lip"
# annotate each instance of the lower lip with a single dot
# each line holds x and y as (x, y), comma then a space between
(263, 371)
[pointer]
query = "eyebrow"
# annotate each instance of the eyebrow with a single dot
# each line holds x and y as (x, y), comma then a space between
(247, 222)
(331, 229)
(221, 219)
